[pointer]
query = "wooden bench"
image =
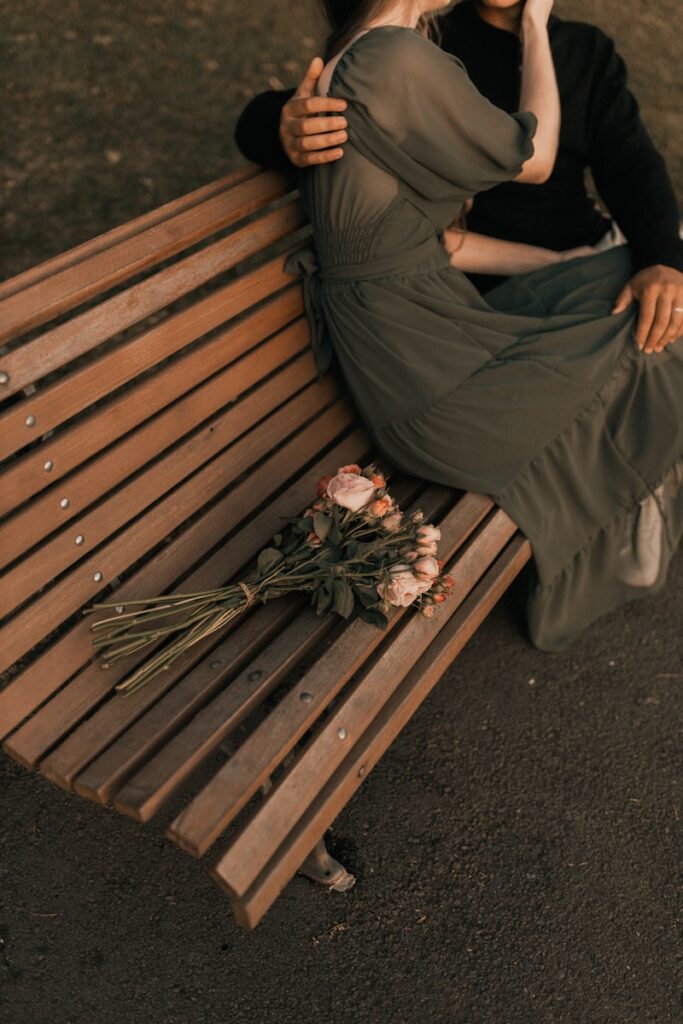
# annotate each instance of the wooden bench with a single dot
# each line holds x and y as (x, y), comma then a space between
(160, 410)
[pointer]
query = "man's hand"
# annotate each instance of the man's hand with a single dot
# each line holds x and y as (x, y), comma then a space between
(659, 290)
(306, 138)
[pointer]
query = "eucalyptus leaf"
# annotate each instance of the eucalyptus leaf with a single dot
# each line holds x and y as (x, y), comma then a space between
(322, 525)
(367, 597)
(343, 598)
(268, 559)
(374, 616)
(335, 535)
(323, 599)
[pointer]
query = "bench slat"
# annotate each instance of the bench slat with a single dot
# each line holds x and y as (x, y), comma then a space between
(58, 346)
(66, 656)
(81, 387)
(77, 588)
(46, 514)
(203, 820)
(78, 253)
(188, 698)
(76, 444)
(64, 711)
(374, 742)
(213, 430)
(317, 762)
(142, 796)
(68, 288)
(245, 642)
(102, 777)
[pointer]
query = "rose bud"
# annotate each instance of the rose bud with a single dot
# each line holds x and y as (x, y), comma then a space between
(380, 507)
(392, 523)
(313, 540)
(428, 534)
(427, 566)
(321, 489)
(438, 598)
(352, 468)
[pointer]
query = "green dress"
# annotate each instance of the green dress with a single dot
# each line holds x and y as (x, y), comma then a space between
(534, 394)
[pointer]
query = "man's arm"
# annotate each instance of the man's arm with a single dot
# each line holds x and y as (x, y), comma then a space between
(629, 172)
(632, 179)
(293, 128)
(257, 130)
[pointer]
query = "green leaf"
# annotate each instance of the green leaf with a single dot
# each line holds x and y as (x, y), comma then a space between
(335, 535)
(343, 598)
(268, 559)
(374, 616)
(277, 540)
(322, 600)
(322, 525)
(367, 597)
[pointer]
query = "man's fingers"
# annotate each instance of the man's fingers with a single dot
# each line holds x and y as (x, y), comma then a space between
(648, 310)
(306, 143)
(624, 299)
(318, 125)
(659, 324)
(307, 84)
(673, 332)
(319, 156)
(307, 106)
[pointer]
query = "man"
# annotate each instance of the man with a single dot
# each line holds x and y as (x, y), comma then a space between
(601, 131)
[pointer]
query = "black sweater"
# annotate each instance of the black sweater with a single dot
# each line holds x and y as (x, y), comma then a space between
(601, 130)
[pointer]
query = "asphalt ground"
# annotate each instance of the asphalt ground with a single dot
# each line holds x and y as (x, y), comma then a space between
(518, 854)
(518, 850)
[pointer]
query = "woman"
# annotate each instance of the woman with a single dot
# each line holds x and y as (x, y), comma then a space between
(535, 394)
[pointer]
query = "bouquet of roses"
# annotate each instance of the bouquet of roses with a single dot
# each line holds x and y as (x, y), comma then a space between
(352, 549)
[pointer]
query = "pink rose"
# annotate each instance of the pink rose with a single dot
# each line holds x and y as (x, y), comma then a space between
(392, 523)
(403, 587)
(428, 534)
(427, 567)
(427, 549)
(351, 490)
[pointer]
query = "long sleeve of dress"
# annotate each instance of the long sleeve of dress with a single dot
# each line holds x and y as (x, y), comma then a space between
(256, 131)
(629, 172)
(414, 110)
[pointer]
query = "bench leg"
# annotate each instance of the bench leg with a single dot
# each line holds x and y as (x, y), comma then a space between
(320, 867)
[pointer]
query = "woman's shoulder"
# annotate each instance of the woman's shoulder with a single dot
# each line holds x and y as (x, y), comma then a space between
(392, 44)
(394, 49)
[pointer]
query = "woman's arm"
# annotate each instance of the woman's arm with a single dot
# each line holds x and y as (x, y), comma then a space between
(479, 254)
(539, 92)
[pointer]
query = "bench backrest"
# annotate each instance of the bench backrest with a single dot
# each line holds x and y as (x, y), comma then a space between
(157, 395)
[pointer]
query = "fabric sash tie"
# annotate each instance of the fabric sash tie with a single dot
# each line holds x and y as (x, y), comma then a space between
(304, 262)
